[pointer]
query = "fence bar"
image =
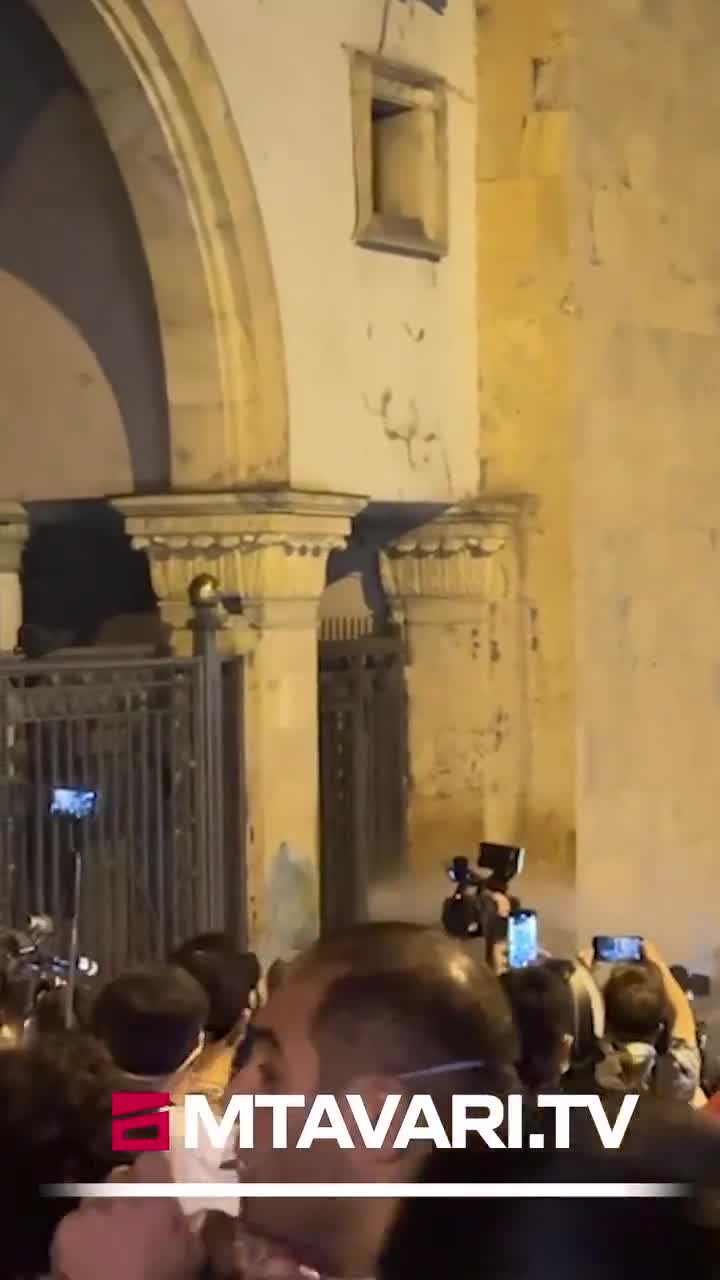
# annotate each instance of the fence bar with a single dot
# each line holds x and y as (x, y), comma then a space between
(207, 621)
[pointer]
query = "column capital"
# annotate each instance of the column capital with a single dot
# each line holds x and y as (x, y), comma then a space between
(269, 549)
(13, 535)
(446, 563)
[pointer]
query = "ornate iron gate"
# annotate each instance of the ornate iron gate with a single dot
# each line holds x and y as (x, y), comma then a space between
(163, 856)
(363, 769)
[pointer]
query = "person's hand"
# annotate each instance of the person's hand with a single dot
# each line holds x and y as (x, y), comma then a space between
(498, 957)
(650, 953)
(233, 1253)
(586, 957)
(129, 1239)
(502, 903)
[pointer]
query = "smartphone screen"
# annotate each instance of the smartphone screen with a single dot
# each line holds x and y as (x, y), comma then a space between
(522, 940)
(618, 949)
(72, 802)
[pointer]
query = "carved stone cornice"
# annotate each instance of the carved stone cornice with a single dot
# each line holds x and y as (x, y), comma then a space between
(448, 560)
(13, 535)
(267, 549)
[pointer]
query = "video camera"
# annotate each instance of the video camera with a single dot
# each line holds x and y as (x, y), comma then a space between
(471, 910)
(30, 970)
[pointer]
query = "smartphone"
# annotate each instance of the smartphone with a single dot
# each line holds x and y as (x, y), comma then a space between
(522, 939)
(619, 949)
(73, 802)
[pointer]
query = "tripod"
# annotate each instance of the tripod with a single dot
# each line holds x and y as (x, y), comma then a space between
(74, 927)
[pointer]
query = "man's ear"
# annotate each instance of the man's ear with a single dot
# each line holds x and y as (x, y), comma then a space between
(373, 1108)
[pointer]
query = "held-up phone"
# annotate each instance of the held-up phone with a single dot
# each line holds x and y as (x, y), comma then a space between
(522, 939)
(619, 949)
(73, 802)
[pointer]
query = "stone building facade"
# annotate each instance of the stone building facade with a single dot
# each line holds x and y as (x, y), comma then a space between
(238, 247)
(266, 267)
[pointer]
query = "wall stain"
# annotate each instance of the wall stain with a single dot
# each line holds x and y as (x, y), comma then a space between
(417, 335)
(292, 902)
(534, 629)
(677, 273)
(409, 433)
(502, 723)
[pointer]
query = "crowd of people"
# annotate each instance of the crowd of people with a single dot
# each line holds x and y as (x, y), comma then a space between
(383, 1009)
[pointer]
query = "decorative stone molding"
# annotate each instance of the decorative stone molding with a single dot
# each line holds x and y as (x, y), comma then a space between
(13, 536)
(268, 549)
(448, 560)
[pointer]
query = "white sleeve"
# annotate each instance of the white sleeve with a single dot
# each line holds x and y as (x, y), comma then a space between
(201, 1165)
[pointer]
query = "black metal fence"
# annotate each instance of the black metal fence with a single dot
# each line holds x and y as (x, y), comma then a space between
(163, 856)
(363, 765)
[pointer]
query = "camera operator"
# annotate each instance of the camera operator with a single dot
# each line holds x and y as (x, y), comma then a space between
(650, 1044)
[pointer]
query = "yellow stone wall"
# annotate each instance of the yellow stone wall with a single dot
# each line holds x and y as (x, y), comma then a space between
(380, 349)
(526, 344)
(599, 346)
(647, 174)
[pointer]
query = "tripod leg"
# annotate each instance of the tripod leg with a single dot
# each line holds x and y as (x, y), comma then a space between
(74, 938)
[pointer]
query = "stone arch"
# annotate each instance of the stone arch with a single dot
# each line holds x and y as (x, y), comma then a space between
(150, 78)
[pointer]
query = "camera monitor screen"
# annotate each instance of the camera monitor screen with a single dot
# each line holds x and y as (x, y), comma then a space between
(73, 802)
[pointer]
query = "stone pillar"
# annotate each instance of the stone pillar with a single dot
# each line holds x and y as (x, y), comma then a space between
(268, 551)
(13, 535)
(445, 581)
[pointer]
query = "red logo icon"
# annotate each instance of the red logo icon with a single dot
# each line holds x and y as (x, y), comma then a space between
(144, 1115)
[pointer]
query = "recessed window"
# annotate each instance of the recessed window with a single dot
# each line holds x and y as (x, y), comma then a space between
(400, 145)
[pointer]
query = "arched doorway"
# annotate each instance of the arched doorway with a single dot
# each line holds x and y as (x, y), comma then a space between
(155, 91)
(83, 408)
(145, 350)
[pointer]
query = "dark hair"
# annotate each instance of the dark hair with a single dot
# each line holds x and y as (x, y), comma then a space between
(55, 1126)
(636, 1005)
(214, 940)
(150, 1019)
(530, 1238)
(226, 976)
(403, 997)
(542, 1007)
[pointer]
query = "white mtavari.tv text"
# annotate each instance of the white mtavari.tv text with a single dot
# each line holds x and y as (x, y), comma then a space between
(501, 1123)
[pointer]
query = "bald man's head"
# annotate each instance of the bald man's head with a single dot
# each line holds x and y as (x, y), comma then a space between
(403, 997)
(353, 1016)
